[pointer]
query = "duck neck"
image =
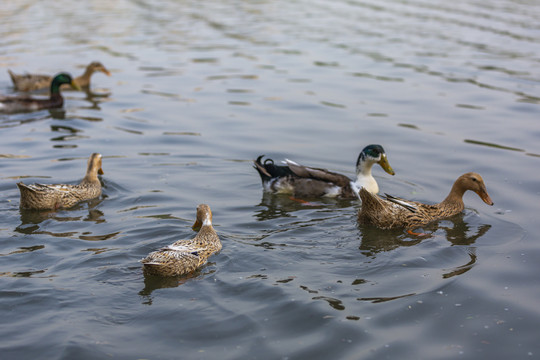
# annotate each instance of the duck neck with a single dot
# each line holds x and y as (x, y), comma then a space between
(91, 176)
(363, 168)
(84, 79)
(207, 229)
(55, 90)
(454, 198)
(364, 178)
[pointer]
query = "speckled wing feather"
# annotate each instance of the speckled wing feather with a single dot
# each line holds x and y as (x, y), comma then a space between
(55, 196)
(39, 196)
(409, 205)
(71, 195)
(30, 82)
(171, 262)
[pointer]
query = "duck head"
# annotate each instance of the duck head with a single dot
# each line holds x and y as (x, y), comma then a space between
(60, 79)
(97, 66)
(474, 182)
(373, 154)
(94, 164)
(204, 217)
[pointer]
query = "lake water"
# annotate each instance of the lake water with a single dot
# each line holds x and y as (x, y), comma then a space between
(201, 88)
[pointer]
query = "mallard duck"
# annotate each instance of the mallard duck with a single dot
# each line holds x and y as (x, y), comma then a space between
(10, 104)
(31, 82)
(393, 212)
(45, 197)
(184, 256)
(304, 181)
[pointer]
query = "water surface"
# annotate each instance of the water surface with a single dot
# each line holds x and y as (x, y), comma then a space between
(200, 89)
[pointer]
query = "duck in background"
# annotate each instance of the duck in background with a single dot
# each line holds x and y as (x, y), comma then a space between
(56, 196)
(304, 181)
(31, 82)
(185, 256)
(393, 212)
(13, 104)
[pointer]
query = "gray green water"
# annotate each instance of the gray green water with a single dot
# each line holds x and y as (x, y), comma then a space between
(201, 88)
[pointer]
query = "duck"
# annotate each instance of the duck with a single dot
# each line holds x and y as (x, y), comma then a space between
(185, 256)
(394, 212)
(12, 104)
(31, 82)
(57, 196)
(305, 181)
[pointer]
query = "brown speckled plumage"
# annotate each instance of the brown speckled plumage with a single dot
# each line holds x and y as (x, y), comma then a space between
(55, 196)
(185, 256)
(31, 82)
(393, 212)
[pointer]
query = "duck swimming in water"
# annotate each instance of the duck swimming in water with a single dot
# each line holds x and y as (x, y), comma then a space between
(13, 104)
(305, 181)
(185, 256)
(56, 196)
(393, 212)
(31, 82)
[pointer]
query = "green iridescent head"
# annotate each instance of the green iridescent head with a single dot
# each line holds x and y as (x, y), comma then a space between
(60, 79)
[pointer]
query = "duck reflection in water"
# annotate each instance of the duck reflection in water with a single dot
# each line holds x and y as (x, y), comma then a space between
(154, 282)
(460, 230)
(95, 98)
(31, 219)
(273, 206)
(276, 206)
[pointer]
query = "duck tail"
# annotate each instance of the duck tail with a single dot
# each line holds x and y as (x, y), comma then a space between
(24, 188)
(13, 78)
(261, 168)
(268, 170)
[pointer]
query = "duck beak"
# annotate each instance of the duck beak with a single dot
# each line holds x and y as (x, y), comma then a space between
(386, 165)
(100, 171)
(75, 86)
(106, 72)
(197, 225)
(485, 197)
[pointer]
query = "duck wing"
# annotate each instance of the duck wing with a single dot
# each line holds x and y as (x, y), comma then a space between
(165, 255)
(171, 263)
(43, 188)
(30, 82)
(318, 174)
(409, 205)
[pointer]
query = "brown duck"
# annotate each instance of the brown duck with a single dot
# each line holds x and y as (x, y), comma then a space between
(392, 212)
(56, 196)
(31, 82)
(185, 256)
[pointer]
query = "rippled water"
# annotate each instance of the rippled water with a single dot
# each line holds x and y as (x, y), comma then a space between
(200, 89)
